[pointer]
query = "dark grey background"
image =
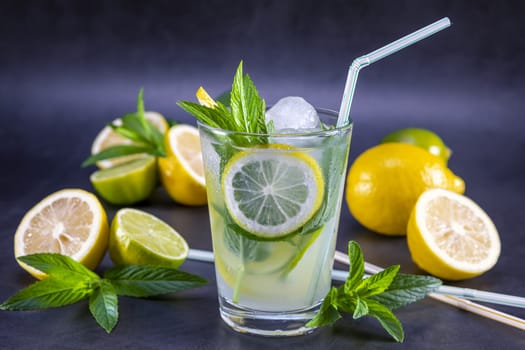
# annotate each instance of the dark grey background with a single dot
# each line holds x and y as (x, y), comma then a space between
(69, 67)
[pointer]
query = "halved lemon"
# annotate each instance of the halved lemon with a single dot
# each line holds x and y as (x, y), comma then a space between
(272, 191)
(182, 170)
(451, 237)
(107, 138)
(138, 237)
(71, 222)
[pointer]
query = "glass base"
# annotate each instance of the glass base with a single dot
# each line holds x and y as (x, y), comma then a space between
(267, 323)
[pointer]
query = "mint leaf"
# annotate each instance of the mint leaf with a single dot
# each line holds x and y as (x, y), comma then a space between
(214, 117)
(145, 136)
(357, 266)
(378, 282)
(48, 293)
(118, 151)
(247, 107)
(361, 308)
(328, 313)
(387, 319)
(376, 295)
(145, 280)
(406, 289)
(54, 264)
(103, 304)
(140, 115)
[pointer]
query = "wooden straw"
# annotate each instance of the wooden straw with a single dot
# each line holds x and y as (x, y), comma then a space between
(460, 303)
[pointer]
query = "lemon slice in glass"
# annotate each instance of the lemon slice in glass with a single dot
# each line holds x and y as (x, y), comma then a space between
(126, 183)
(70, 222)
(107, 138)
(137, 237)
(271, 192)
(451, 237)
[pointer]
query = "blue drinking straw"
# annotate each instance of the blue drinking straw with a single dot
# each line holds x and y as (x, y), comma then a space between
(363, 61)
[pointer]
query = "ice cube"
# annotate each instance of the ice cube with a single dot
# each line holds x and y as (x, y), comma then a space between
(291, 113)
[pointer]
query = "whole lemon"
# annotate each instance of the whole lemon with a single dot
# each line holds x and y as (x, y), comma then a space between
(385, 181)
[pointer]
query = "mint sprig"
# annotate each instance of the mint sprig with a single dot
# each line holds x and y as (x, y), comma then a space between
(376, 295)
(245, 111)
(69, 282)
(145, 136)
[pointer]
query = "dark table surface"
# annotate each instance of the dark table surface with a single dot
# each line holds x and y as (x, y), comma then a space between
(67, 68)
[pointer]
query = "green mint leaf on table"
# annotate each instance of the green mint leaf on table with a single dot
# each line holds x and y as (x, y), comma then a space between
(145, 136)
(144, 281)
(51, 263)
(69, 281)
(374, 296)
(103, 305)
(48, 293)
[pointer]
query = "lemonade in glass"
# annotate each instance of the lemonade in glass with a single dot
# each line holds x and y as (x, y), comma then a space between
(274, 202)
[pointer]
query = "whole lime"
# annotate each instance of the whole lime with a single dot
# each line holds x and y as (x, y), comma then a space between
(422, 138)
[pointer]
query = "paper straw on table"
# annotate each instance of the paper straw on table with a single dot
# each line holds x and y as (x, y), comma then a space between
(455, 301)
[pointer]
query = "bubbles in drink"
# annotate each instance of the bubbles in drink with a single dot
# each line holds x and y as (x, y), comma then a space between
(293, 114)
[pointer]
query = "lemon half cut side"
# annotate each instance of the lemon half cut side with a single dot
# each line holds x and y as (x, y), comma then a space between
(70, 222)
(451, 237)
(182, 170)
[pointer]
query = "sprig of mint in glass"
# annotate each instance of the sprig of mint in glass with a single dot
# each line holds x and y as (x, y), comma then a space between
(145, 136)
(69, 281)
(376, 295)
(245, 111)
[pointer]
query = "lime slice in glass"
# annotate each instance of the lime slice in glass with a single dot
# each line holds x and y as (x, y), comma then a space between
(137, 237)
(271, 192)
(127, 183)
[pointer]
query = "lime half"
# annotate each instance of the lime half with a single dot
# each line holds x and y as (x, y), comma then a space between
(127, 183)
(271, 192)
(137, 237)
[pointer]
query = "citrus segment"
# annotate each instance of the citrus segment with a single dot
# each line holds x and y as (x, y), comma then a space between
(71, 222)
(204, 98)
(107, 138)
(270, 192)
(140, 238)
(182, 170)
(126, 183)
(451, 237)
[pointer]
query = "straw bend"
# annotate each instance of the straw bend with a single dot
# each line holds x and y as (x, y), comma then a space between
(366, 60)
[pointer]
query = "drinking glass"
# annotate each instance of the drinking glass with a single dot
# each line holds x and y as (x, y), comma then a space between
(274, 203)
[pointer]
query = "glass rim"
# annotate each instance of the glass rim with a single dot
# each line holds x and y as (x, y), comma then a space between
(327, 132)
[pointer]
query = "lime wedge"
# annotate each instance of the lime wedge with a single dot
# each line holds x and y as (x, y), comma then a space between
(127, 183)
(137, 237)
(271, 192)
